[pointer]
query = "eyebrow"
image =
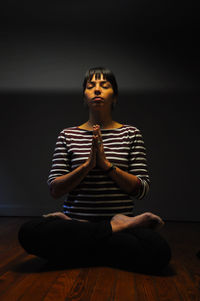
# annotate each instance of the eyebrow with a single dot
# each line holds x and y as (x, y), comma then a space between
(102, 81)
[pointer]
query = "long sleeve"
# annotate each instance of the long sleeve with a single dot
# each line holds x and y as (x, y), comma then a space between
(60, 162)
(138, 163)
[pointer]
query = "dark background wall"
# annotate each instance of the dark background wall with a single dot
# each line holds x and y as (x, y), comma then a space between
(152, 47)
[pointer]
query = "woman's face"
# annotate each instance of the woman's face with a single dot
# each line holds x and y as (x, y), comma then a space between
(99, 93)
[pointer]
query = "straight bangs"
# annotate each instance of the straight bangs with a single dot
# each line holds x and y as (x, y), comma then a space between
(97, 73)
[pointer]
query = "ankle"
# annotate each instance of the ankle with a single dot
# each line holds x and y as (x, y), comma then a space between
(118, 222)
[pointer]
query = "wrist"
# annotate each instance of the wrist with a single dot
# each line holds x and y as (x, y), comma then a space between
(111, 168)
(106, 165)
(87, 166)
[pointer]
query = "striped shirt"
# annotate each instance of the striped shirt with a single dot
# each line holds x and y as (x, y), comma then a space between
(98, 196)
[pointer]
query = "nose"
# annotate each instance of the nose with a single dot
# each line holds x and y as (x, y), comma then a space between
(97, 90)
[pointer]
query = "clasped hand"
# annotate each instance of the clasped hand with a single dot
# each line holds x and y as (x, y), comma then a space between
(97, 156)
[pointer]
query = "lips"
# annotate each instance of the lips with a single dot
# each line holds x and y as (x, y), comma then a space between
(97, 98)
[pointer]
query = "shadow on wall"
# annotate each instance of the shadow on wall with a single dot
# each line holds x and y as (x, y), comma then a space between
(30, 123)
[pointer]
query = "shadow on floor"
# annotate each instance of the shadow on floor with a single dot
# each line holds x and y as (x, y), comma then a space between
(36, 265)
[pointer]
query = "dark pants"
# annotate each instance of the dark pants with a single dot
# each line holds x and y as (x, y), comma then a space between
(77, 243)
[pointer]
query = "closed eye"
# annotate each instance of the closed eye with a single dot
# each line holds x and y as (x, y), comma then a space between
(105, 87)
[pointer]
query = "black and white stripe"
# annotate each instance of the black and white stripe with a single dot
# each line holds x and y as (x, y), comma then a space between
(98, 194)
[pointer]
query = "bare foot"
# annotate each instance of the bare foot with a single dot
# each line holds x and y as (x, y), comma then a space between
(57, 214)
(146, 220)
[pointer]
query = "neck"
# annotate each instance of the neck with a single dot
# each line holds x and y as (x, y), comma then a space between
(104, 120)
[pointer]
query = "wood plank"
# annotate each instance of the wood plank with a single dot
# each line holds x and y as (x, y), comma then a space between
(166, 289)
(125, 286)
(145, 288)
(7, 280)
(9, 259)
(105, 285)
(69, 284)
(19, 279)
(83, 287)
(40, 286)
(185, 286)
(17, 290)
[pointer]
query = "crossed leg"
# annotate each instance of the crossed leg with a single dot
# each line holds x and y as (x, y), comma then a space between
(129, 242)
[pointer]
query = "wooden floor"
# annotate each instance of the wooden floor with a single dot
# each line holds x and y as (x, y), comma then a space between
(25, 278)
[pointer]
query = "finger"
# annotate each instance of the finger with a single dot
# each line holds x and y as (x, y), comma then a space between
(94, 130)
(95, 137)
(97, 144)
(96, 127)
(95, 141)
(99, 135)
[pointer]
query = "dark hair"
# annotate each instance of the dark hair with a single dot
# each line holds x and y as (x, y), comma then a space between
(107, 74)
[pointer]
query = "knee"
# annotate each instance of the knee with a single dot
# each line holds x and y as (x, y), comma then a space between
(160, 256)
(156, 250)
(24, 236)
(28, 237)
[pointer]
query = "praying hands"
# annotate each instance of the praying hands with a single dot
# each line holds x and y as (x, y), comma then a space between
(97, 155)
